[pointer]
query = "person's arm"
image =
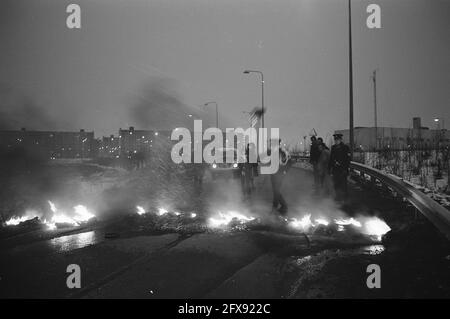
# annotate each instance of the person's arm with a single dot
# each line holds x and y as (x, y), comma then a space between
(348, 157)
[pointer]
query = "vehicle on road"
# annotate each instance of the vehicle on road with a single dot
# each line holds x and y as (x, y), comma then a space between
(229, 168)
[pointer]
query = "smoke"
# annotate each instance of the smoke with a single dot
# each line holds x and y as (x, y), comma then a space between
(18, 110)
(160, 106)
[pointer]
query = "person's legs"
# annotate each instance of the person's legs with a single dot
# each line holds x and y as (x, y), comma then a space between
(243, 182)
(284, 208)
(275, 191)
(281, 200)
(344, 186)
(341, 185)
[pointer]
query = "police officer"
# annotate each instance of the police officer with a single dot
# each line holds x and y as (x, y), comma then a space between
(339, 166)
(313, 159)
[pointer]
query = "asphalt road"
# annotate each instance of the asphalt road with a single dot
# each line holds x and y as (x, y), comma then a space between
(264, 262)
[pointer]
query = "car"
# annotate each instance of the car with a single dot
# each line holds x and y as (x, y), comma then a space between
(226, 169)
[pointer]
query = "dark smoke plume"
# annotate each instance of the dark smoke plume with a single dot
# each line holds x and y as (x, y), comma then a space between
(20, 111)
(160, 106)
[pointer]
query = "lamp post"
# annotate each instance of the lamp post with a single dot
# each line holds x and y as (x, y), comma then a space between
(438, 121)
(262, 93)
(217, 111)
(350, 77)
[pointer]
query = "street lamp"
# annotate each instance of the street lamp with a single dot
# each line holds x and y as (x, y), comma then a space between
(350, 78)
(262, 93)
(217, 111)
(438, 121)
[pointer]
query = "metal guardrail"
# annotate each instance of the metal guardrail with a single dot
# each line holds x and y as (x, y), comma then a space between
(439, 216)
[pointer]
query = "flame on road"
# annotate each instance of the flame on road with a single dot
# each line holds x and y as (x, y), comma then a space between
(224, 219)
(140, 210)
(13, 221)
(376, 227)
(371, 226)
(162, 211)
(321, 221)
(346, 222)
(305, 223)
(81, 215)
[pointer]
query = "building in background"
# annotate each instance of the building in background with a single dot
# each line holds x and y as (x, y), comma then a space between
(418, 137)
(51, 144)
(142, 141)
(109, 147)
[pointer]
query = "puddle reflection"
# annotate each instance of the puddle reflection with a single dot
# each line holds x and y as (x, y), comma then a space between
(70, 242)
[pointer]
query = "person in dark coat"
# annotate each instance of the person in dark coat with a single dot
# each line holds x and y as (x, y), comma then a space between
(314, 154)
(322, 168)
(276, 179)
(339, 166)
(247, 170)
(320, 142)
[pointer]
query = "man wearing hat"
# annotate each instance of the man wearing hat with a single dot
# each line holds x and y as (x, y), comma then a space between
(339, 166)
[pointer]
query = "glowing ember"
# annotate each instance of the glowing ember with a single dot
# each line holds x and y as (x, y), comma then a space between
(140, 210)
(13, 221)
(371, 226)
(376, 227)
(63, 219)
(223, 219)
(50, 226)
(321, 221)
(304, 223)
(81, 215)
(349, 221)
(52, 206)
(162, 211)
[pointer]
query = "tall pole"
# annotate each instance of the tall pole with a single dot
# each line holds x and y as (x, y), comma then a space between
(262, 100)
(374, 78)
(350, 77)
(262, 92)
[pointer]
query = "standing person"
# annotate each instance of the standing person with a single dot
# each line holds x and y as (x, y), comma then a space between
(276, 180)
(313, 159)
(322, 168)
(252, 158)
(339, 166)
(247, 173)
(320, 141)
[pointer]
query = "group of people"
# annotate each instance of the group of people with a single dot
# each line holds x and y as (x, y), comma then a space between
(334, 163)
(328, 164)
(249, 170)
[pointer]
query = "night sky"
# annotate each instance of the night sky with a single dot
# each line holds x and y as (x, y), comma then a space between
(149, 63)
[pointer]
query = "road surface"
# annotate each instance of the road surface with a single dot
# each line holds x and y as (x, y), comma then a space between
(198, 262)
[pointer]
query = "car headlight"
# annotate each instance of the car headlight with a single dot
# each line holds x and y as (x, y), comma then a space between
(235, 165)
(214, 165)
